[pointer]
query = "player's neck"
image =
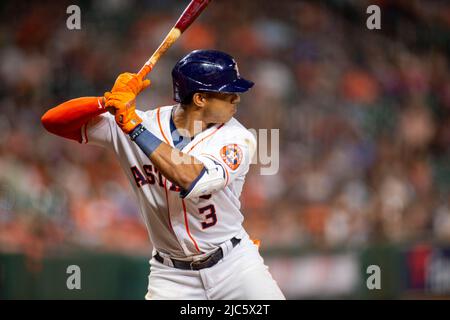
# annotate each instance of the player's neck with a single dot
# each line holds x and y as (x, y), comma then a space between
(190, 119)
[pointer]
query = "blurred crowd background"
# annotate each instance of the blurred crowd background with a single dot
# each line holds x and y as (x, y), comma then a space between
(363, 117)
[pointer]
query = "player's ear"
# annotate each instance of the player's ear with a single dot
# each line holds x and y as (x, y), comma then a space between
(199, 99)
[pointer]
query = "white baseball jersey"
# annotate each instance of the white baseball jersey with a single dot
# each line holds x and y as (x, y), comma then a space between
(182, 228)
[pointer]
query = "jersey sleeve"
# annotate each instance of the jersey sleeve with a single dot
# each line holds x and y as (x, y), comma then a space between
(103, 130)
(234, 154)
(99, 130)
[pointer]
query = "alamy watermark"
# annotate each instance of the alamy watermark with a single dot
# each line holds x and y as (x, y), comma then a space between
(374, 280)
(73, 22)
(262, 147)
(267, 152)
(374, 20)
(74, 280)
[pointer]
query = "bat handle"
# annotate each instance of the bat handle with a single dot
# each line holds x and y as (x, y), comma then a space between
(171, 37)
(145, 70)
(192, 11)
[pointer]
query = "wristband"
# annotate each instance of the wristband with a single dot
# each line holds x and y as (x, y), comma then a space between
(145, 140)
(136, 132)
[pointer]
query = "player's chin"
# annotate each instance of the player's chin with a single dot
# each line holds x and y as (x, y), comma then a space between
(220, 120)
(228, 118)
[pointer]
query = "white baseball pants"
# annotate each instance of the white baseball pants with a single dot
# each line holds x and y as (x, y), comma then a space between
(240, 275)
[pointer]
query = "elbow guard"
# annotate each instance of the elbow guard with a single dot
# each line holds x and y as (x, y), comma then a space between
(210, 180)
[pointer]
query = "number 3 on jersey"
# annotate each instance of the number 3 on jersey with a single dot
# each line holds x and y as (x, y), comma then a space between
(210, 216)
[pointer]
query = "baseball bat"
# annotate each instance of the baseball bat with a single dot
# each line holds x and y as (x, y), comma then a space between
(188, 16)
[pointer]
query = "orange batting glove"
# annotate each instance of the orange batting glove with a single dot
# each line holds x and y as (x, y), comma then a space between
(121, 101)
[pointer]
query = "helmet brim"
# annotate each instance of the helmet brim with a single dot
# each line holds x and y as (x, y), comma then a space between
(239, 85)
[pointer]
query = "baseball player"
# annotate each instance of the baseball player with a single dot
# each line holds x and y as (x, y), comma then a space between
(187, 165)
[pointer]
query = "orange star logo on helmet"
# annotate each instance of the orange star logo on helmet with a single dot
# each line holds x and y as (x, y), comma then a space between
(232, 155)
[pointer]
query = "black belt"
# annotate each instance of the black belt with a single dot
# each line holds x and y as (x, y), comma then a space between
(197, 265)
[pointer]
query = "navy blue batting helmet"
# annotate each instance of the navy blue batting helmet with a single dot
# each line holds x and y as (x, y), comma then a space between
(206, 71)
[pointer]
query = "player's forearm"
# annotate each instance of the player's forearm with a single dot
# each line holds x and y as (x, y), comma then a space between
(67, 118)
(180, 168)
